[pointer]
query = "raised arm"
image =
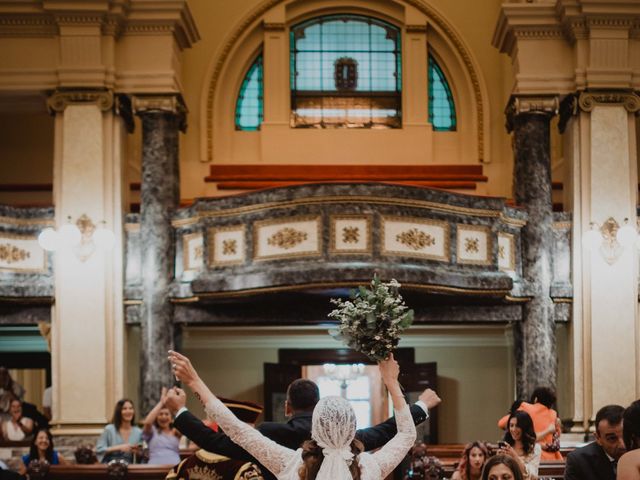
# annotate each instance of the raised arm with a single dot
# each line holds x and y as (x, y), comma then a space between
(147, 425)
(391, 454)
(273, 456)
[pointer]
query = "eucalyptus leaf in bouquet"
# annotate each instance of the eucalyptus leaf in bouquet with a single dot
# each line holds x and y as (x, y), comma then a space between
(372, 319)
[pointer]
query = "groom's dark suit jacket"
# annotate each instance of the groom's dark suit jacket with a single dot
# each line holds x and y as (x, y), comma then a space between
(588, 463)
(291, 434)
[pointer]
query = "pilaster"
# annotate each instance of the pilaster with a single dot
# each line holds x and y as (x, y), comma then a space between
(88, 284)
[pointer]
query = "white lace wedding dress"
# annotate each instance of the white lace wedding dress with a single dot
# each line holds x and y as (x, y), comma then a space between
(284, 463)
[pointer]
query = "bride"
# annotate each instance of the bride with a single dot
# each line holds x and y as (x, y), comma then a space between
(333, 453)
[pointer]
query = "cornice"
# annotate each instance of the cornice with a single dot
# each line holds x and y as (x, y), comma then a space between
(27, 26)
(273, 27)
(524, 20)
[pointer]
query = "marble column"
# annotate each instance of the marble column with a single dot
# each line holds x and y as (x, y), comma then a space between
(162, 119)
(535, 343)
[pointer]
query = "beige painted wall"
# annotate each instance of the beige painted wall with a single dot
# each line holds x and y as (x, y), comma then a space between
(475, 381)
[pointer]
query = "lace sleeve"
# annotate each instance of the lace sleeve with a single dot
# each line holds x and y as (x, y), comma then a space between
(391, 454)
(273, 456)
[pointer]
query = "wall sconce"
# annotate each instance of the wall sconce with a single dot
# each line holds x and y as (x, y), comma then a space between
(610, 238)
(82, 237)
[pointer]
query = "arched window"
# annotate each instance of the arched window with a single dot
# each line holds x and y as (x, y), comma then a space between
(442, 110)
(249, 106)
(345, 72)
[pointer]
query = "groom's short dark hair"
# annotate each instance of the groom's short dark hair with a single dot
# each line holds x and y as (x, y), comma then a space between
(303, 394)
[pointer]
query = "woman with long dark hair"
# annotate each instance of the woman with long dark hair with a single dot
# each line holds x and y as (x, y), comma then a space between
(41, 449)
(121, 439)
(521, 444)
(502, 467)
(473, 457)
(332, 453)
(629, 464)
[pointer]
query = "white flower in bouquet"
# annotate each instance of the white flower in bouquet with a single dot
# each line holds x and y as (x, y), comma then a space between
(372, 320)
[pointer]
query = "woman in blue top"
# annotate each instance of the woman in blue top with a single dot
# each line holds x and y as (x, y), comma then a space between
(121, 439)
(41, 449)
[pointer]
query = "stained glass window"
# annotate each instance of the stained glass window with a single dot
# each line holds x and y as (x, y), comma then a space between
(345, 72)
(442, 110)
(249, 105)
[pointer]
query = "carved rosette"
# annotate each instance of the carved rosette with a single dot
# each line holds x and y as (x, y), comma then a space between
(531, 104)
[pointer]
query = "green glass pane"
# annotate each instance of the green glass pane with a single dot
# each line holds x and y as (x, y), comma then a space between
(249, 106)
(323, 95)
(442, 110)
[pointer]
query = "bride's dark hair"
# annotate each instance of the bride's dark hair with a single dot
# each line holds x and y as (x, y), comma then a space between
(312, 458)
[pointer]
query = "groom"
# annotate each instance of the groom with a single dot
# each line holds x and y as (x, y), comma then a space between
(302, 396)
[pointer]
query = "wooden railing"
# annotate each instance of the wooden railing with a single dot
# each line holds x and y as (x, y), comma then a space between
(254, 177)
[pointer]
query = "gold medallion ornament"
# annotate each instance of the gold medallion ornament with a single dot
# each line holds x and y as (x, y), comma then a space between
(287, 238)
(350, 234)
(472, 245)
(12, 254)
(416, 239)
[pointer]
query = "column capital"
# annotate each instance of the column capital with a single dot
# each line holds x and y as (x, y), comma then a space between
(61, 99)
(531, 104)
(587, 100)
(170, 103)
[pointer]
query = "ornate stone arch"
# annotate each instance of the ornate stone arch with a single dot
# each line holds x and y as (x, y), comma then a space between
(224, 76)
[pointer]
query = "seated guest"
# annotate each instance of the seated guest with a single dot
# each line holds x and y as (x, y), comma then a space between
(17, 427)
(163, 440)
(502, 467)
(121, 439)
(629, 466)
(597, 460)
(41, 449)
(473, 457)
(9, 389)
(203, 464)
(522, 446)
(545, 421)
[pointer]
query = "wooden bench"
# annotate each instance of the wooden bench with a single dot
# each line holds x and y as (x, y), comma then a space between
(99, 471)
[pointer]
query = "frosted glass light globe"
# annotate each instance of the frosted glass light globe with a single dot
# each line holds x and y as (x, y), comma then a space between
(49, 239)
(70, 234)
(104, 238)
(591, 239)
(626, 235)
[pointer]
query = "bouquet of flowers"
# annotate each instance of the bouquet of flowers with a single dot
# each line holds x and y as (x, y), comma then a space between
(371, 321)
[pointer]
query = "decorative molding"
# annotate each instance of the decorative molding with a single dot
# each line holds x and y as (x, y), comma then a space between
(506, 252)
(273, 27)
(435, 19)
(21, 254)
(61, 99)
(588, 100)
(287, 238)
(173, 103)
(192, 251)
(27, 26)
(226, 245)
(45, 222)
(350, 234)
(474, 245)
(420, 29)
(531, 104)
(415, 237)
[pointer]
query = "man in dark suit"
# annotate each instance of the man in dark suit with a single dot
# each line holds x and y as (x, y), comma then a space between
(302, 396)
(598, 460)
